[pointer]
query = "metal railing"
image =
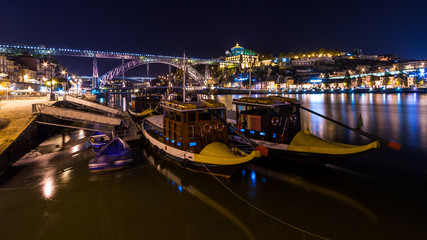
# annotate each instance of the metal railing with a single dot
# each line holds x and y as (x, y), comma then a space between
(38, 107)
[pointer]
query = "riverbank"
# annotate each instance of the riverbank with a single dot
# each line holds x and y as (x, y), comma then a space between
(15, 115)
(219, 91)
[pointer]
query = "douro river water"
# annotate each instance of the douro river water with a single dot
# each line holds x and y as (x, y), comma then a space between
(50, 194)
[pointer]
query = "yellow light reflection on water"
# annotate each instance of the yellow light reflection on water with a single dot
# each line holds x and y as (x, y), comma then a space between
(81, 134)
(65, 175)
(48, 188)
(75, 149)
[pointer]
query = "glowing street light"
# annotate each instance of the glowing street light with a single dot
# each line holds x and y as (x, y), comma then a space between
(51, 67)
(64, 73)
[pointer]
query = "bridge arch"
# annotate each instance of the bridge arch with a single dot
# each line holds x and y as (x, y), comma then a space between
(117, 71)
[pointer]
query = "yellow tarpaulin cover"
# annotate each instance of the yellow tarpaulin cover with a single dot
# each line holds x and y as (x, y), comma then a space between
(221, 154)
(146, 112)
(304, 141)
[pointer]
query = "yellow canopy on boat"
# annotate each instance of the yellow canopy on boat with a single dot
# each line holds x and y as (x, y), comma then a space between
(221, 154)
(146, 112)
(306, 142)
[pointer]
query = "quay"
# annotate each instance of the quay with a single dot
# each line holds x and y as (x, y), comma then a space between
(15, 116)
(24, 124)
(221, 90)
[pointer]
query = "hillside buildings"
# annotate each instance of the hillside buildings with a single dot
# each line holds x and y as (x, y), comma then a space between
(23, 73)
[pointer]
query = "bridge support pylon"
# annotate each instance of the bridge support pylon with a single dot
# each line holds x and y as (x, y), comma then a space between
(207, 73)
(95, 76)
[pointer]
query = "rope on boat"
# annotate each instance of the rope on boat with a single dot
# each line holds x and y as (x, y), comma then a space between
(262, 211)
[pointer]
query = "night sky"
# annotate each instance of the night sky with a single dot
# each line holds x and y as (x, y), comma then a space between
(206, 29)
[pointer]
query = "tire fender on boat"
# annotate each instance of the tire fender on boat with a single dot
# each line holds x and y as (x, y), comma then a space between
(207, 128)
(219, 127)
(275, 121)
(293, 118)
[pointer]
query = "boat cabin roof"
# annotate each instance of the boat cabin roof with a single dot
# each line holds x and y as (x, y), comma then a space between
(192, 106)
(267, 102)
(156, 120)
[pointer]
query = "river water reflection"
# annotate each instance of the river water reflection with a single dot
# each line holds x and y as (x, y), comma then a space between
(50, 194)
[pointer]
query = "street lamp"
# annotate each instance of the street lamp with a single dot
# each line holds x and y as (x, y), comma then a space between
(51, 69)
(64, 73)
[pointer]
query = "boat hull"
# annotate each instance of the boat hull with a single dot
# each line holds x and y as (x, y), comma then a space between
(186, 159)
(113, 156)
(310, 154)
(110, 166)
(218, 170)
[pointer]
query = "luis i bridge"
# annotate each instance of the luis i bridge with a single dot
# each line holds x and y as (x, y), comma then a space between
(129, 61)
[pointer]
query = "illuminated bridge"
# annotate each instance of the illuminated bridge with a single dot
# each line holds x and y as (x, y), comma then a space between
(133, 60)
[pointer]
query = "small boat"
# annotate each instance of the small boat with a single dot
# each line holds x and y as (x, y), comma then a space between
(190, 135)
(144, 105)
(275, 123)
(97, 140)
(115, 155)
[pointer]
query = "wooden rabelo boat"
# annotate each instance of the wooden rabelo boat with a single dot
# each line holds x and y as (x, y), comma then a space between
(275, 123)
(191, 135)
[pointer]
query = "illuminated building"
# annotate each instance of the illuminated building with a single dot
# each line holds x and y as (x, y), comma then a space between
(240, 55)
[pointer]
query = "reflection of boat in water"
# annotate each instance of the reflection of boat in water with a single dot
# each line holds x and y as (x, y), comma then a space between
(189, 134)
(176, 178)
(115, 155)
(278, 198)
(275, 172)
(98, 140)
(275, 123)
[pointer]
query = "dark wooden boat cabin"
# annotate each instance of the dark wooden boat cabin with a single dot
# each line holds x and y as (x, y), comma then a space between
(189, 126)
(273, 119)
(141, 102)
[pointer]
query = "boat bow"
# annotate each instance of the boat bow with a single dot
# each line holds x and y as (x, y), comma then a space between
(306, 142)
(220, 154)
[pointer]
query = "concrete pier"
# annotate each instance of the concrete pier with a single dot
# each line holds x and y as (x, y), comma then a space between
(19, 115)
(20, 131)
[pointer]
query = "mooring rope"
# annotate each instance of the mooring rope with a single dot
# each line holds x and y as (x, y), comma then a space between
(262, 211)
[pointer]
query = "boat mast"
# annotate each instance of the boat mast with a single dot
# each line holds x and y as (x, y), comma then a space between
(183, 81)
(250, 71)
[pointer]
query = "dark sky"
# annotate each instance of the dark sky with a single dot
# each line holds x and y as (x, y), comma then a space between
(206, 29)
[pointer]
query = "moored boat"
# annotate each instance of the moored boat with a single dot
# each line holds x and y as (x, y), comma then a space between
(144, 105)
(98, 140)
(190, 134)
(275, 123)
(115, 155)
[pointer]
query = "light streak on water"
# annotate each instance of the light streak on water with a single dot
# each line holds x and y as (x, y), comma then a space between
(48, 187)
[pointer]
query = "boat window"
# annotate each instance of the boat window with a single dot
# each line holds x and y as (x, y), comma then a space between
(205, 116)
(262, 111)
(241, 107)
(178, 117)
(172, 115)
(219, 112)
(192, 117)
